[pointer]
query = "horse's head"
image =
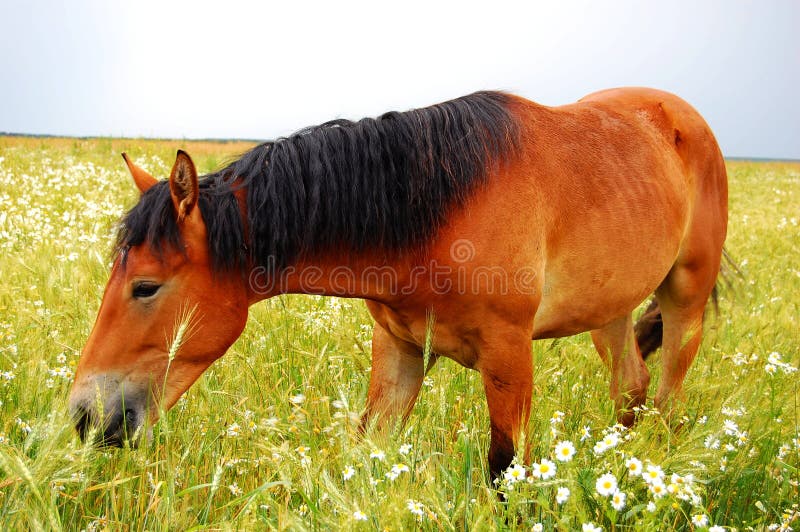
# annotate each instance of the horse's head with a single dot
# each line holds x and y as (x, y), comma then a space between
(166, 313)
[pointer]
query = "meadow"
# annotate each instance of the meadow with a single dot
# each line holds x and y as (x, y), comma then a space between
(267, 438)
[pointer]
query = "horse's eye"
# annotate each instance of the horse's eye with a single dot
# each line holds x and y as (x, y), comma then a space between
(145, 289)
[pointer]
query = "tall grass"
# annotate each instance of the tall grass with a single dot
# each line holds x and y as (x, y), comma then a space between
(267, 438)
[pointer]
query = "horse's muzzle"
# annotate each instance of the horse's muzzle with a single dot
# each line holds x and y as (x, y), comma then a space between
(109, 421)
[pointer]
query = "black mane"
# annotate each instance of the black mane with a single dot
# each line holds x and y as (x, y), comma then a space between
(384, 183)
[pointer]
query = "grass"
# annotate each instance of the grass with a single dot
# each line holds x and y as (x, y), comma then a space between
(266, 438)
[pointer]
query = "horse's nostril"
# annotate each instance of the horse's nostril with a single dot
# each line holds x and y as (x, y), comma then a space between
(82, 422)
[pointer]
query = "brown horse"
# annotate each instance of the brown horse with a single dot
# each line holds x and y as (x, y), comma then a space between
(493, 218)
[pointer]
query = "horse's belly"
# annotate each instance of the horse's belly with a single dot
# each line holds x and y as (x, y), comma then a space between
(582, 293)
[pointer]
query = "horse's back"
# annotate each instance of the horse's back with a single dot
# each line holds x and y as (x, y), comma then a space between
(623, 176)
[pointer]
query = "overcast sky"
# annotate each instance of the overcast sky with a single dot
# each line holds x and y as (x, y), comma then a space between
(232, 69)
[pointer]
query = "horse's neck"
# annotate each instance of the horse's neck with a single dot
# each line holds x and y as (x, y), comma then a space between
(366, 275)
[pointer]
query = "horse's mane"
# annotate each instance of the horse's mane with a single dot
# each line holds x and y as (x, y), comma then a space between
(384, 183)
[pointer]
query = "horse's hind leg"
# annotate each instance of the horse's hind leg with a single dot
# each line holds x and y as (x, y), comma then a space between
(682, 297)
(616, 344)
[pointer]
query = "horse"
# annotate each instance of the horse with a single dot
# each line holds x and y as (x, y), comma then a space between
(476, 225)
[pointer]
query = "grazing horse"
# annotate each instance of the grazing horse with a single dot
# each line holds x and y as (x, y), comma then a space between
(484, 222)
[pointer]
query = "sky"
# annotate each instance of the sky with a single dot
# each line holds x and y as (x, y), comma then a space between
(259, 70)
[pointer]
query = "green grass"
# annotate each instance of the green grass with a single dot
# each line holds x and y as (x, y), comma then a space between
(238, 453)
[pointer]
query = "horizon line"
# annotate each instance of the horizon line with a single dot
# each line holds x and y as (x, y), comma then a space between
(259, 141)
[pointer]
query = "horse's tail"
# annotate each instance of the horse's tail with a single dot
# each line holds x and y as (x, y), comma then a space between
(649, 328)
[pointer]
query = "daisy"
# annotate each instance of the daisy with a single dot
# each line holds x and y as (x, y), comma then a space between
(700, 520)
(348, 472)
(358, 515)
(562, 495)
(564, 451)
(618, 500)
(606, 485)
(514, 473)
(544, 470)
(634, 466)
(653, 473)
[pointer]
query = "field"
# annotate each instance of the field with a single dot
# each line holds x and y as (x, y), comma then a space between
(266, 438)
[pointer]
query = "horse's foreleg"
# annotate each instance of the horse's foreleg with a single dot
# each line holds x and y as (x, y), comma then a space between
(506, 368)
(616, 344)
(397, 373)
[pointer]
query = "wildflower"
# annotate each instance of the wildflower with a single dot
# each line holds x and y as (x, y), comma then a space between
(404, 449)
(348, 472)
(562, 495)
(586, 432)
(600, 447)
(606, 485)
(770, 369)
(233, 430)
(618, 500)
(651, 507)
(716, 528)
(544, 470)
(415, 508)
(515, 473)
(564, 451)
(235, 489)
(700, 520)
(591, 527)
(537, 527)
(377, 454)
(298, 399)
(730, 427)
(396, 470)
(634, 466)
(61, 358)
(558, 417)
(653, 473)
(658, 489)
(358, 515)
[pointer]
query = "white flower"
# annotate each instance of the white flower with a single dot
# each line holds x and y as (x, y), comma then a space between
(562, 495)
(716, 528)
(537, 527)
(235, 489)
(415, 508)
(730, 427)
(233, 430)
(558, 417)
(700, 520)
(404, 449)
(651, 507)
(377, 454)
(297, 399)
(515, 473)
(658, 489)
(586, 432)
(618, 500)
(590, 527)
(544, 470)
(606, 485)
(564, 451)
(348, 472)
(653, 473)
(358, 515)
(634, 466)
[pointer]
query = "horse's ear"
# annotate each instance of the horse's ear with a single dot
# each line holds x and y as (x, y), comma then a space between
(183, 185)
(142, 179)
